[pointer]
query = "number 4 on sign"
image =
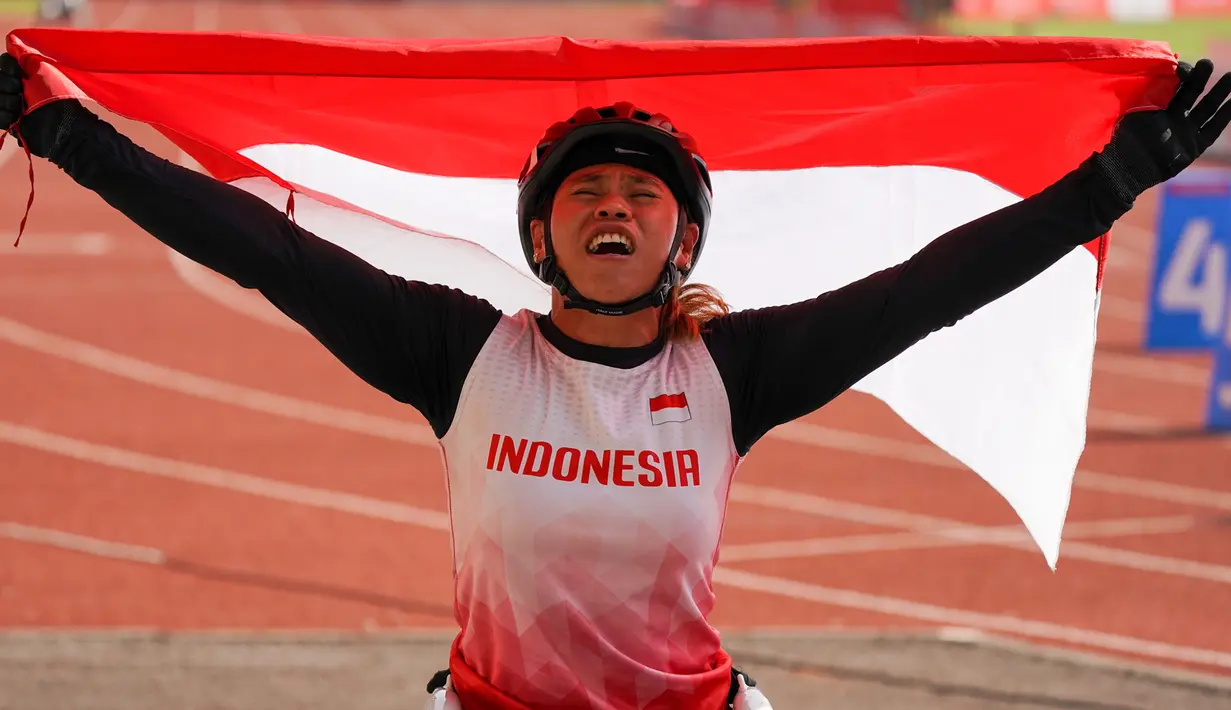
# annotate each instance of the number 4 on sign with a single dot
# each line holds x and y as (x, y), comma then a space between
(1181, 289)
(1189, 279)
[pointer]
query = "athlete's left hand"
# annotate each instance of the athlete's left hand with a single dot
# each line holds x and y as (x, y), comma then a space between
(1151, 147)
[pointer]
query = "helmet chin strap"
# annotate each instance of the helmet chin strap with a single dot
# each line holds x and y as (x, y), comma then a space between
(655, 297)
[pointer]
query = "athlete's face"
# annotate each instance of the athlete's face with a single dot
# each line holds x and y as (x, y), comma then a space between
(611, 230)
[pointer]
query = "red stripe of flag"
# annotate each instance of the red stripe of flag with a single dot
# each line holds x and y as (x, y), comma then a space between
(668, 401)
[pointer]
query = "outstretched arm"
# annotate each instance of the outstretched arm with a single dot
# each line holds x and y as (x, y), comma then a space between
(841, 336)
(414, 341)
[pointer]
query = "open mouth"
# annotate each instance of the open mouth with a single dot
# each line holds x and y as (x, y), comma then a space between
(616, 244)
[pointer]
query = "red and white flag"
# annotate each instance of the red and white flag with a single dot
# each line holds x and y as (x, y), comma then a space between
(669, 408)
(831, 159)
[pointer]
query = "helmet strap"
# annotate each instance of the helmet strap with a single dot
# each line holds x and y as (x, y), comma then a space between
(655, 297)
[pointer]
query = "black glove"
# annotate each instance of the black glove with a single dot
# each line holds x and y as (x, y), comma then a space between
(12, 98)
(1151, 147)
(43, 128)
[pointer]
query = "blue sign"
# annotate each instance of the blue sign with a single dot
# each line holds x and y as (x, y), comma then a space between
(1189, 284)
(1218, 402)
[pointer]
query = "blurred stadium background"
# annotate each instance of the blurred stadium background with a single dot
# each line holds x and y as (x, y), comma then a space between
(179, 529)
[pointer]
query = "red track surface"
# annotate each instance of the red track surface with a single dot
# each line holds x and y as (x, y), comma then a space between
(202, 553)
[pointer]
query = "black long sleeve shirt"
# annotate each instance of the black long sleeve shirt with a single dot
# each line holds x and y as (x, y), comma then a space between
(417, 341)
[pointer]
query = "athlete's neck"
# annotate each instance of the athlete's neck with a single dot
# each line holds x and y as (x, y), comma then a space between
(630, 331)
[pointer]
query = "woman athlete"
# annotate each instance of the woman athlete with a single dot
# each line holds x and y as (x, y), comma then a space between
(589, 451)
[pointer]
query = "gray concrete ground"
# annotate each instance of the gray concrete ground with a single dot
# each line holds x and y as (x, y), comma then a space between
(387, 671)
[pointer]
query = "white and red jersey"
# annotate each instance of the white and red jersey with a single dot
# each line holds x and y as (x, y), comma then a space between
(587, 504)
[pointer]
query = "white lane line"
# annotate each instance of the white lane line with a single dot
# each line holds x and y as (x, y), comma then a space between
(951, 537)
(1157, 490)
(895, 606)
(1130, 237)
(205, 475)
(809, 504)
(82, 244)
(1158, 370)
(81, 543)
(1125, 309)
(1124, 422)
(384, 427)
(212, 389)
(1126, 261)
(854, 442)
(798, 432)
(1146, 562)
(1131, 248)
(214, 477)
(359, 422)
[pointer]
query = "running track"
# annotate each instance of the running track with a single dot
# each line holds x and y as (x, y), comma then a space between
(173, 455)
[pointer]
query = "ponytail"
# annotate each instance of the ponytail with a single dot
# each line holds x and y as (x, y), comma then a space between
(688, 309)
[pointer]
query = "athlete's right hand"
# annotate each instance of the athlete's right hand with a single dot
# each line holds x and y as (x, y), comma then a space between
(44, 127)
(12, 96)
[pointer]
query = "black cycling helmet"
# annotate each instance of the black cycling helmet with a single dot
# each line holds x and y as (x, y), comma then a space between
(620, 133)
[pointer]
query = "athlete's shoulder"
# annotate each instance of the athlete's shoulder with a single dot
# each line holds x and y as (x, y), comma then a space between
(505, 333)
(460, 309)
(733, 330)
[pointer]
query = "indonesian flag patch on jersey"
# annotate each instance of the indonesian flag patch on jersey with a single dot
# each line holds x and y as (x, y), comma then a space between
(669, 408)
(831, 159)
